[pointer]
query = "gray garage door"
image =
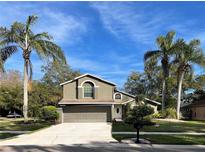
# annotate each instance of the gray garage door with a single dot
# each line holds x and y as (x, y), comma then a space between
(86, 113)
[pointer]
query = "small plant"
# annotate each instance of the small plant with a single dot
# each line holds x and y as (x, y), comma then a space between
(169, 113)
(49, 113)
(156, 115)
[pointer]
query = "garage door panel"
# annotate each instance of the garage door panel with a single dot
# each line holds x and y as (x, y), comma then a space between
(81, 113)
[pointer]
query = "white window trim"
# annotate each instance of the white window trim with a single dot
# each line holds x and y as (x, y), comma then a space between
(115, 94)
(81, 86)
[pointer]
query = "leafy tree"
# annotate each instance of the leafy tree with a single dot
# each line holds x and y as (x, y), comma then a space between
(189, 54)
(11, 97)
(56, 73)
(21, 35)
(41, 95)
(137, 117)
(10, 91)
(167, 46)
(135, 84)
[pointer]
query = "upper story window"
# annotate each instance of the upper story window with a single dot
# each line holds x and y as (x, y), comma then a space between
(88, 90)
(118, 96)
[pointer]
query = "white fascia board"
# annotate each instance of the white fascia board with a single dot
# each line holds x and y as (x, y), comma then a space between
(84, 76)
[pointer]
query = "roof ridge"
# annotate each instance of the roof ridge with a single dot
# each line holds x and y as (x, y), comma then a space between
(86, 74)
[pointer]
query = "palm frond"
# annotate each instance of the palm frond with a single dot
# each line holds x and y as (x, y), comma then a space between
(30, 21)
(160, 42)
(149, 54)
(47, 49)
(169, 38)
(42, 36)
(6, 52)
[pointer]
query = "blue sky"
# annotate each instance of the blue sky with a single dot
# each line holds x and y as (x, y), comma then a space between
(106, 38)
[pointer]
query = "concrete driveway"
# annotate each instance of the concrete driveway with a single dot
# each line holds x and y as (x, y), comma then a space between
(81, 137)
(66, 134)
(67, 137)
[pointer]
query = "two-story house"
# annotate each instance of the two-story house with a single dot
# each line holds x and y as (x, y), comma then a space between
(88, 98)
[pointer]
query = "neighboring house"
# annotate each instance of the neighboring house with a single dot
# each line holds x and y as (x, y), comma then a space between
(154, 104)
(195, 110)
(88, 98)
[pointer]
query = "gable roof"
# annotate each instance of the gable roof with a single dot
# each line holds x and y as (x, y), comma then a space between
(153, 101)
(87, 74)
(126, 93)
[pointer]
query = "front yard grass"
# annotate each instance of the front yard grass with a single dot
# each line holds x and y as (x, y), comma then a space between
(163, 126)
(19, 125)
(168, 139)
(7, 135)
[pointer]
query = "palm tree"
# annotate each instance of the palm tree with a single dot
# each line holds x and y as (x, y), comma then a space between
(186, 57)
(166, 47)
(21, 35)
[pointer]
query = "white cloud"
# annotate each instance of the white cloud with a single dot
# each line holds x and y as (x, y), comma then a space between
(63, 27)
(124, 20)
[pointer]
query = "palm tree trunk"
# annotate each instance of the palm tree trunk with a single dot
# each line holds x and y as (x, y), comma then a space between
(179, 94)
(163, 94)
(25, 106)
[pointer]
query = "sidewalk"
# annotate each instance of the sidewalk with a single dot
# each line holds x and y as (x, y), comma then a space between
(160, 133)
(104, 147)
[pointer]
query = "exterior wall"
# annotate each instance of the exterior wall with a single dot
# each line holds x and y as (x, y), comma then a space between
(60, 111)
(125, 98)
(74, 90)
(69, 91)
(103, 91)
(198, 113)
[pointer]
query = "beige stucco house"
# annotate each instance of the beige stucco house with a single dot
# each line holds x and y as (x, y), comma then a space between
(88, 98)
(194, 110)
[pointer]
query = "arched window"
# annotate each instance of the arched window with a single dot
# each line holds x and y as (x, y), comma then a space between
(118, 96)
(88, 90)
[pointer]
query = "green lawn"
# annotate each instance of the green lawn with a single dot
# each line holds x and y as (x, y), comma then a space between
(7, 135)
(164, 126)
(19, 125)
(168, 139)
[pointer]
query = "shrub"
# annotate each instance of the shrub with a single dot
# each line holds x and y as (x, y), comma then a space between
(156, 115)
(138, 113)
(169, 113)
(49, 113)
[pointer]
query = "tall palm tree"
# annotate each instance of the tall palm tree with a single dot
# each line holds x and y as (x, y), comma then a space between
(167, 46)
(21, 35)
(186, 57)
